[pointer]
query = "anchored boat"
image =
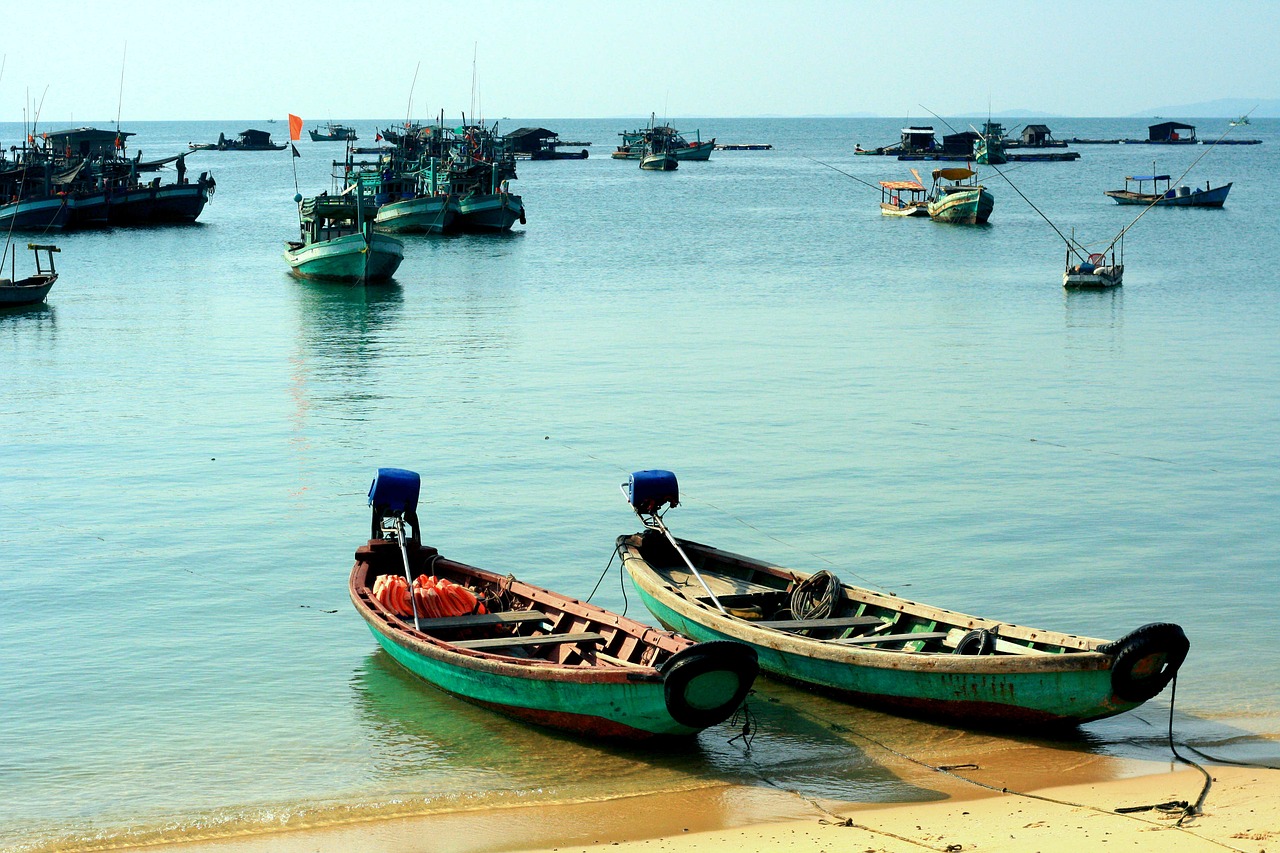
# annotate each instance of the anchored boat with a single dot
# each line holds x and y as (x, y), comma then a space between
(525, 651)
(334, 133)
(903, 198)
(33, 289)
(884, 650)
(337, 242)
(1169, 196)
(957, 197)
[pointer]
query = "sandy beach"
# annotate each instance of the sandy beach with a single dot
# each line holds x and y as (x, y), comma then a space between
(1241, 813)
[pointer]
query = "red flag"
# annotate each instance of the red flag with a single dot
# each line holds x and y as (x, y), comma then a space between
(377, 137)
(295, 127)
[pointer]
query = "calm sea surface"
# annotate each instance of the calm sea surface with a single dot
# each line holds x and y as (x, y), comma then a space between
(187, 435)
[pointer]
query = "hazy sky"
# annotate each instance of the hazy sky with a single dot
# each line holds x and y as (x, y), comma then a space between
(568, 59)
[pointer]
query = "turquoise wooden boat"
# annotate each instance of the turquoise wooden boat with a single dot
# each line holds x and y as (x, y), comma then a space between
(338, 243)
(879, 649)
(957, 197)
(536, 655)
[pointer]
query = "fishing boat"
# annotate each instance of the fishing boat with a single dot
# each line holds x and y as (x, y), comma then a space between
(333, 133)
(34, 288)
(1169, 196)
(35, 214)
(337, 242)
(1240, 122)
(246, 140)
(903, 198)
(880, 649)
(1094, 272)
(665, 138)
(957, 197)
(989, 146)
(527, 652)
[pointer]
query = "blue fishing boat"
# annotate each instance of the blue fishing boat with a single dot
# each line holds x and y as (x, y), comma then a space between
(1168, 196)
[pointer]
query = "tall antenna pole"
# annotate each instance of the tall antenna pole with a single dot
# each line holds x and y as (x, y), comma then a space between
(120, 98)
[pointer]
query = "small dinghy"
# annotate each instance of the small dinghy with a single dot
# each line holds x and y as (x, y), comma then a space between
(884, 650)
(33, 289)
(527, 652)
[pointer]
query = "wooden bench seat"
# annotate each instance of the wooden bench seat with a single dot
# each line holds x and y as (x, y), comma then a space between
(834, 622)
(873, 639)
(477, 620)
(521, 642)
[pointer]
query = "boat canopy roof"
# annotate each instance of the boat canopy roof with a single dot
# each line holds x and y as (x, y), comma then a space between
(902, 185)
(1147, 178)
(953, 174)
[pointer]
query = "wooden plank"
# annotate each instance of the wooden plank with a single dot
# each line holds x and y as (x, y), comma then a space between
(477, 620)
(539, 640)
(891, 638)
(836, 622)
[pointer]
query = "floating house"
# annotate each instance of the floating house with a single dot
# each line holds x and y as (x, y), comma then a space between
(538, 143)
(918, 139)
(1037, 135)
(1172, 132)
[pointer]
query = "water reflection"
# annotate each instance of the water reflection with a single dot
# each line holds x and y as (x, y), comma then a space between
(445, 747)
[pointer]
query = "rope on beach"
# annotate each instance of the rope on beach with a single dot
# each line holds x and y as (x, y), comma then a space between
(1189, 811)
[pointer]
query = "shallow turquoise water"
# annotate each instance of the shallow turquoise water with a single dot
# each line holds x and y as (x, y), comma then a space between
(189, 434)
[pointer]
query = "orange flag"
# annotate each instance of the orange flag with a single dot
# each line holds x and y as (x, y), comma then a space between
(295, 127)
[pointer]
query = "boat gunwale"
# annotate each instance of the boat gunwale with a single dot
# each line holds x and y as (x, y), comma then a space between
(1084, 657)
(444, 652)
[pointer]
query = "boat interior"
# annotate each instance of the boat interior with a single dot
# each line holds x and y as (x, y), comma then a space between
(520, 621)
(819, 606)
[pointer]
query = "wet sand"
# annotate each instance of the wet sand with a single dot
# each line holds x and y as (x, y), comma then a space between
(1067, 810)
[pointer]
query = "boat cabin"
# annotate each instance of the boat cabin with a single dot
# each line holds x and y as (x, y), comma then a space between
(86, 142)
(1037, 134)
(1172, 132)
(255, 138)
(953, 180)
(902, 198)
(531, 140)
(918, 139)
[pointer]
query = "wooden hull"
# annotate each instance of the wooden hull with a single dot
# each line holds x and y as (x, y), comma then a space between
(26, 291)
(154, 204)
(489, 212)
(1029, 677)
(35, 214)
(966, 207)
(347, 258)
(1196, 198)
(428, 214)
(916, 209)
(620, 683)
(659, 163)
(692, 151)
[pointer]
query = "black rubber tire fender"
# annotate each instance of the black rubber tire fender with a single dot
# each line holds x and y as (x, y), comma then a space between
(979, 641)
(1146, 660)
(700, 664)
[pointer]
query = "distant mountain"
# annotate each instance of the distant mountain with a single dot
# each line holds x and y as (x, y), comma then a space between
(1221, 108)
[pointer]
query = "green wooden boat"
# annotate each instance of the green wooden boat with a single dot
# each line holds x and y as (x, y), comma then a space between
(882, 650)
(536, 655)
(957, 197)
(338, 242)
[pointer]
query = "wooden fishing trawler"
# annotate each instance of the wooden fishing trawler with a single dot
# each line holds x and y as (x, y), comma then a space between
(33, 289)
(334, 133)
(337, 241)
(527, 652)
(637, 143)
(882, 650)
